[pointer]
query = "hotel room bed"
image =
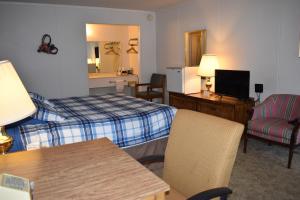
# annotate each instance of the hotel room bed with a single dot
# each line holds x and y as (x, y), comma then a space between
(126, 121)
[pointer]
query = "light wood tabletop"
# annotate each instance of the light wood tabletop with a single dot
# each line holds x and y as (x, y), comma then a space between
(87, 170)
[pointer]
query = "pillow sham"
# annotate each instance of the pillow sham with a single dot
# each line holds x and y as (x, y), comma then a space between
(39, 97)
(36, 96)
(47, 113)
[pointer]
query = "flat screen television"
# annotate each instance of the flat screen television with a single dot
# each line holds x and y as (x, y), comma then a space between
(234, 83)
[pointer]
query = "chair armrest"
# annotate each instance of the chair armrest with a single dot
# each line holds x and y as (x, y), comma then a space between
(296, 125)
(221, 192)
(250, 113)
(294, 122)
(151, 159)
(140, 84)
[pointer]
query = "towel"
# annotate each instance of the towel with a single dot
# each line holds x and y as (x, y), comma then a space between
(119, 86)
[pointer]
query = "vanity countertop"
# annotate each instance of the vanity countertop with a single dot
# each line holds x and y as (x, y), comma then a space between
(106, 75)
(109, 79)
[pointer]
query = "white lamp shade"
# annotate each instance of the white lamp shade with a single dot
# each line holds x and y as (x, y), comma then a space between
(15, 103)
(208, 64)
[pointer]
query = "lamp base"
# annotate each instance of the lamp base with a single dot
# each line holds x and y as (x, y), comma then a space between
(206, 93)
(5, 141)
(208, 85)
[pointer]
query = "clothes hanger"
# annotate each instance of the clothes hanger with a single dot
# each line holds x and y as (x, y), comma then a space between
(132, 50)
(112, 51)
(110, 46)
(132, 43)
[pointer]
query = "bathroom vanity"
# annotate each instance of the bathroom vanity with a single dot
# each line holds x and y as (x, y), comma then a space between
(100, 83)
(110, 79)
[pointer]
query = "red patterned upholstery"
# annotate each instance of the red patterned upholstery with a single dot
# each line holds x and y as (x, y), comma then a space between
(274, 129)
(282, 106)
(270, 119)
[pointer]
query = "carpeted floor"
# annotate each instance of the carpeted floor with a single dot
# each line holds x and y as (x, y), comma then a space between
(261, 174)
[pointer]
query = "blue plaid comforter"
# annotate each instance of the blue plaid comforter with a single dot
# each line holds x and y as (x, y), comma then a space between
(125, 120)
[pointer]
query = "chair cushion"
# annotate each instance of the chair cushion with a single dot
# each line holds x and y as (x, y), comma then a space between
(174, 195)
(274, 129)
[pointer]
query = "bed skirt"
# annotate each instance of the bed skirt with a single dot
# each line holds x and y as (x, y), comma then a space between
(156, 147)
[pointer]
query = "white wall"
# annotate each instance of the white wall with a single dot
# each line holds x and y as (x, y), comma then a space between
(134, 59)
(258, 35)
(22, 26)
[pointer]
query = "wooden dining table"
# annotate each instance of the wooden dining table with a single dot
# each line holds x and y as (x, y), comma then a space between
(92, 170)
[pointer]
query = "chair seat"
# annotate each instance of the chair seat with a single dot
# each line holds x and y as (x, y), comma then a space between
(274, 129)
(175, 195)
(151, 94)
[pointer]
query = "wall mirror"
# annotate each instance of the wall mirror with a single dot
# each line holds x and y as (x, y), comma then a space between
(195, 47)
(103, 56)
(112, 49)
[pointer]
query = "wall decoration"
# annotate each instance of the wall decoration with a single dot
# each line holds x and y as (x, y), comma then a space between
(46, 46)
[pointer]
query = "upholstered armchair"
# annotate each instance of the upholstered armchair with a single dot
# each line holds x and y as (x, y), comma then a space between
(157, 81)
(276, 120)
(199, 157)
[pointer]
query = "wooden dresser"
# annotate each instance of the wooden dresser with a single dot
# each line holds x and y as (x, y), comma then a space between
(226, 107)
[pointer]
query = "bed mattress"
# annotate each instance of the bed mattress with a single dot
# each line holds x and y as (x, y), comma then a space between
(125, 120)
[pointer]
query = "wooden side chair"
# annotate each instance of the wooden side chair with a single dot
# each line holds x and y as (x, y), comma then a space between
(158, 81)
(276, 120)
(199, 157)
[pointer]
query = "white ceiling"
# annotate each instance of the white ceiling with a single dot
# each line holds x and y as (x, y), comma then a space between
(122, 4)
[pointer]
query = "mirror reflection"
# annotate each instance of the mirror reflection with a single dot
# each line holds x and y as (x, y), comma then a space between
(103, 56)
(195, 47)
(113, 49)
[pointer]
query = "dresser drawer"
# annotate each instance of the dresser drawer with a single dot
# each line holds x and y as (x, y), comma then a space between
(182, 103)
(208, 108)
(225, 107)
(225, 111)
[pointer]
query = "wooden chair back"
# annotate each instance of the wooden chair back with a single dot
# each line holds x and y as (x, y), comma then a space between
(158, 81)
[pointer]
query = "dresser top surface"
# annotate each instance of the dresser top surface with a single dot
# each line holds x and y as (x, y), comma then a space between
(214, 98)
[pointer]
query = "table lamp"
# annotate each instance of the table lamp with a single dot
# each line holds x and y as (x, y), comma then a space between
(208, 64)
(15, 103)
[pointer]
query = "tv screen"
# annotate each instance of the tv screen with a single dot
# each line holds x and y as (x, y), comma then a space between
(233, 83)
